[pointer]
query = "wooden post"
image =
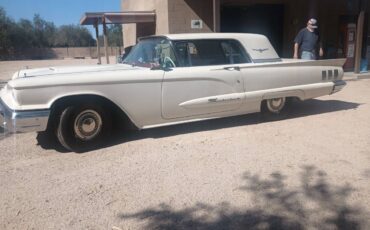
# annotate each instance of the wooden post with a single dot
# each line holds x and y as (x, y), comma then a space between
(359, 38)
(216, 15)
(105, 40)
(96, 25)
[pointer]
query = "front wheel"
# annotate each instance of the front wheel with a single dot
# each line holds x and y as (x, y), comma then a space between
(82, 128)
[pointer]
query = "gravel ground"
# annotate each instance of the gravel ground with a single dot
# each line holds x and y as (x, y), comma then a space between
(309, 171)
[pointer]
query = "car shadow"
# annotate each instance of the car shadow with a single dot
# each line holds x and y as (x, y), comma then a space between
(314, 204)
(316, 107)
(3, 134)
(297, 109)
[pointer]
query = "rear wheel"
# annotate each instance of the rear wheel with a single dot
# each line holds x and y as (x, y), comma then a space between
(275, 108)
(82, 128)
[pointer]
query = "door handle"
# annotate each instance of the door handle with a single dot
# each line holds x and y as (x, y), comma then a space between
(237, 68)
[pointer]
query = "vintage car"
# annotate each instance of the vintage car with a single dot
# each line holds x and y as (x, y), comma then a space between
(165, 80)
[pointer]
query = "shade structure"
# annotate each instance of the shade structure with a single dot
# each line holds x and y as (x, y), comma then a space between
(123, 17)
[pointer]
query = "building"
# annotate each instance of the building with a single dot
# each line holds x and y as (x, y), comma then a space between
(279, 20)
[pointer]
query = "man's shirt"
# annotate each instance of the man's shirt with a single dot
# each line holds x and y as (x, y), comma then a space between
(307, 40)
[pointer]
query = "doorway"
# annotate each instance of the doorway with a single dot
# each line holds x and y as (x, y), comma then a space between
(260, 19)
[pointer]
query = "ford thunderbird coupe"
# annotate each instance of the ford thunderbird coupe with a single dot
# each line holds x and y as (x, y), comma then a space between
(164, 80)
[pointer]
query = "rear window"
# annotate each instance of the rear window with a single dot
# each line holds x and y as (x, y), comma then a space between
(209, 52)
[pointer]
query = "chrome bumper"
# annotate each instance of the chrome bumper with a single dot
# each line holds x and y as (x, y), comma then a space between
(23, 121)
(338, 86)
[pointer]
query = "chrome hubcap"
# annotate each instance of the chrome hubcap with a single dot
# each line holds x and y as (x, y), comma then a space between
(87, 125)
(276, 105)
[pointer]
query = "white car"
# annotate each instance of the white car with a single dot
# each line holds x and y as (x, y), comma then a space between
(164, 80)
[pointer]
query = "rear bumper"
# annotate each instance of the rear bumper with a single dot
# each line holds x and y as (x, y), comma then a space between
(338, 86)
(23, 121)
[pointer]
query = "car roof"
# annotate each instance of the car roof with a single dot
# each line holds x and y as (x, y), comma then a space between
(258, 46)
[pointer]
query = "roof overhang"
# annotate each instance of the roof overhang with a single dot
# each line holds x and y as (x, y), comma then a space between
(124, 17)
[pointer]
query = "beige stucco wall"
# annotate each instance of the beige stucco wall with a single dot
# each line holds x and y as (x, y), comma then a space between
(161, 9)
(181, 12)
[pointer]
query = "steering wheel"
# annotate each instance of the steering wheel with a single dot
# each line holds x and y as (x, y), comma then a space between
(168, 59)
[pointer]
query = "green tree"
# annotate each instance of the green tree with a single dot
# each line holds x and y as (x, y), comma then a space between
(44, 32)
(7, 26)
(25, 35)
(115, 37)
(15, 36)
(72, 35)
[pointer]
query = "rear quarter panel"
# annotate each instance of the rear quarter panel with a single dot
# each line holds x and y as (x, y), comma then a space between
(264, 81)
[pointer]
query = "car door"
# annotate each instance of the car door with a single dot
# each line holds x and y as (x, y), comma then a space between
(206, 82)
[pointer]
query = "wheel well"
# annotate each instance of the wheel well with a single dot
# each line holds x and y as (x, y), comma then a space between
(119, 117)
(289, 100)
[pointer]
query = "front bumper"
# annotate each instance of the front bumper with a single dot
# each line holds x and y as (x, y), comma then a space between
(23, 121)
(338, 86)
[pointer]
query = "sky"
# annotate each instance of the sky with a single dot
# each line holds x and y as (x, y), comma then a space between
(61, 12)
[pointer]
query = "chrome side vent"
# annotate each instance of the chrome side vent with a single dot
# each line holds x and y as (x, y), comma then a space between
(336, 73)
(330, 74)
(323, 74)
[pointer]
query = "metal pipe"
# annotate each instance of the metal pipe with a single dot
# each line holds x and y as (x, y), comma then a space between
(216, 15)
(96, 25)
(105, 40)
(359, 38)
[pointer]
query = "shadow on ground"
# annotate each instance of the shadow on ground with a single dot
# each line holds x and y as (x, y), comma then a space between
(314, 204)
(298, 109)
(3, 134)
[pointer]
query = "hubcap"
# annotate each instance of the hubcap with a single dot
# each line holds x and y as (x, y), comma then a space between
(87, 125)
(276, 105)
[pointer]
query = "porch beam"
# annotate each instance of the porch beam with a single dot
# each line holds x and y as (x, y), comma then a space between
(360, 35)
(216, 15)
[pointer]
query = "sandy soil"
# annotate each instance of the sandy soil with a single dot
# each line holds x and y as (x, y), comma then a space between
(309, 171)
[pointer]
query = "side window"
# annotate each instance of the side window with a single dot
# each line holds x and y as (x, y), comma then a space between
(182, 54)
(209, 52)
(234, 52)
(200, 53)
(206, 52)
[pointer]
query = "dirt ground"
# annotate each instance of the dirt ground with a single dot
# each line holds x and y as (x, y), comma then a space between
(309, 171)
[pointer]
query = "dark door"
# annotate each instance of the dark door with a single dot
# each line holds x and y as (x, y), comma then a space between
(261, 19)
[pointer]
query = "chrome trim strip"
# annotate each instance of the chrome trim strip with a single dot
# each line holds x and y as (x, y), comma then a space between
(23, 121)
(90, 83)
(267, 60)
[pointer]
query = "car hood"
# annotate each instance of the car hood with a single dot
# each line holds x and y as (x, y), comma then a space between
(62, 70)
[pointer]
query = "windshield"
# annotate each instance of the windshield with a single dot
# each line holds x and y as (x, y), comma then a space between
(152, 52)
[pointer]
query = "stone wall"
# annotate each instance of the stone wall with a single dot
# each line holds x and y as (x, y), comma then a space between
(58, 53)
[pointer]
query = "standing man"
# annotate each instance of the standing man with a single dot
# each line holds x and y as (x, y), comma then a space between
(307, 41)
